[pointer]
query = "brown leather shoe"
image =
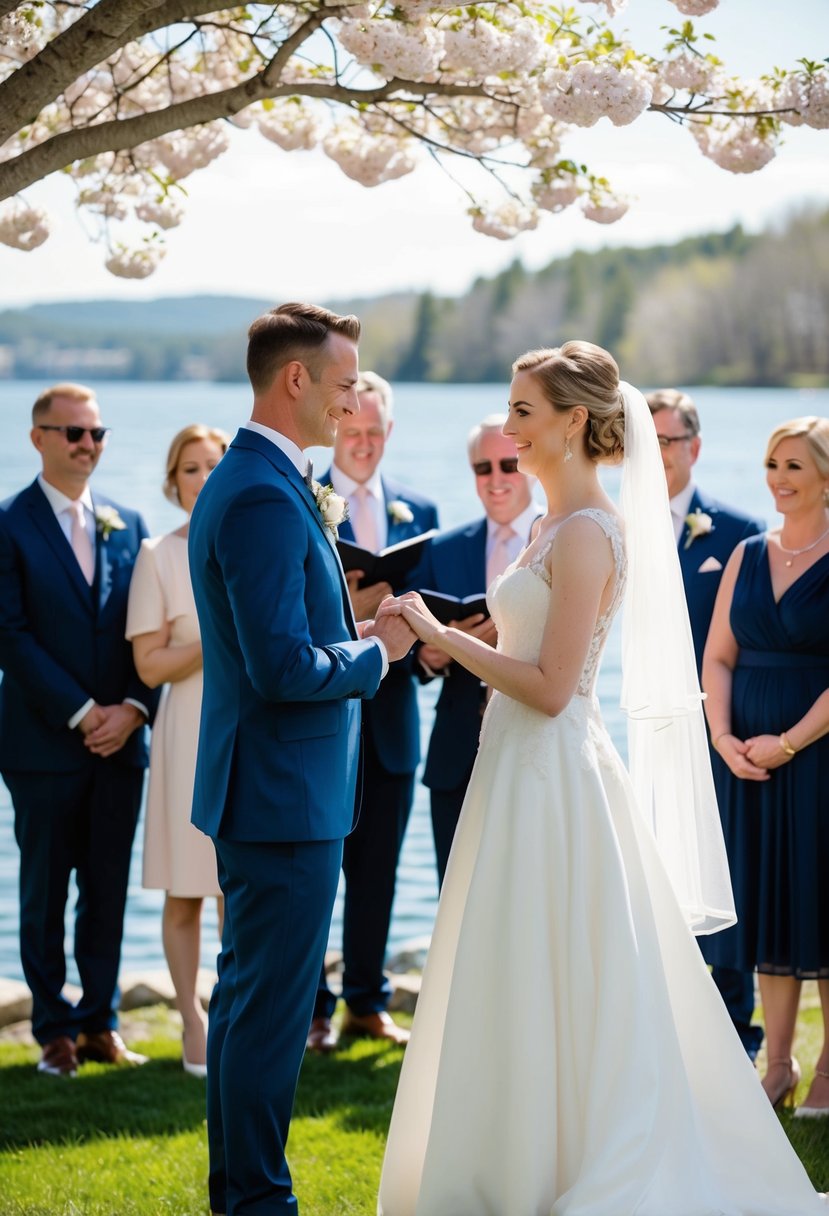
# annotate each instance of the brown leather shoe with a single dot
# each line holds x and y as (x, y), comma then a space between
(107, 1047)
(59, 1058)
(374, 1026)
(322, 1036)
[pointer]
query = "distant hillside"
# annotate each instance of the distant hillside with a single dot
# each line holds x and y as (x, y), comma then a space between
(724, 308)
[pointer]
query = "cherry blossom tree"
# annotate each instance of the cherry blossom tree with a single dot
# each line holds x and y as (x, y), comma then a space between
(129, 97)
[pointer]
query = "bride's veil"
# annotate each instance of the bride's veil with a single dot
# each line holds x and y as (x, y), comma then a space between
(670, 765)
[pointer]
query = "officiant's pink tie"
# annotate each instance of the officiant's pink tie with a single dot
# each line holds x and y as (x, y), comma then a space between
(363, 521)
(499, 557)
(81, 544)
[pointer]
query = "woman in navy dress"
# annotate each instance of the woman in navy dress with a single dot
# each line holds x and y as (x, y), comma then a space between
(766, 673)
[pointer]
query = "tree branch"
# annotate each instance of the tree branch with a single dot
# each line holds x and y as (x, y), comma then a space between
(125, 133)
(102, 31)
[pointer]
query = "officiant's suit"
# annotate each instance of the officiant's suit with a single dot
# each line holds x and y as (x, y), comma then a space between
(275, 783)
(391, 736)
(62, 646)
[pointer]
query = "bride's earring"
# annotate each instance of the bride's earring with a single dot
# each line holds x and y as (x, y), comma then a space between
(568, 451)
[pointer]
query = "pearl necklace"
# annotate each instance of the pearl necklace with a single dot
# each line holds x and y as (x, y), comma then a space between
(797, 552)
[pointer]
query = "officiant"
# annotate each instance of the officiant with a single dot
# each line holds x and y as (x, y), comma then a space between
(463, 562)
(381, 513)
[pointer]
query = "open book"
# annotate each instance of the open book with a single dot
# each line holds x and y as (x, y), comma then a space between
(450, 608)
(391, 565)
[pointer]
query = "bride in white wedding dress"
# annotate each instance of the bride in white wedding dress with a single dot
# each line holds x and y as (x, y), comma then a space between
(570, 1055)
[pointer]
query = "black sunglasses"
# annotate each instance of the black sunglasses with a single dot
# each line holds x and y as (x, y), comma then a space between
(75, 434)
(665, 441)
(508, 464)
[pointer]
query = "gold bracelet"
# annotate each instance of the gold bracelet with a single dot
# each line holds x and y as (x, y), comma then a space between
(787, 747)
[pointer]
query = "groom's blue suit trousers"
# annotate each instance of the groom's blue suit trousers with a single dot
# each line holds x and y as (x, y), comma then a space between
(278, 903)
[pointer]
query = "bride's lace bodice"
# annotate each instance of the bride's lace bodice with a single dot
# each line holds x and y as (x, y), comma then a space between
(519, 602)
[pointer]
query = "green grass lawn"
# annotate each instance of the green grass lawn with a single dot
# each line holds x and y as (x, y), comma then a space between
(132, 1142)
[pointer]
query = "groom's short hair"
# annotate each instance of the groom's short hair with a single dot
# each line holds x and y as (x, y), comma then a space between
(293, 331)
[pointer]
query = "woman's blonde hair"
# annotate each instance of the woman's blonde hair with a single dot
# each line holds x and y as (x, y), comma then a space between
(811, 428)
(196, 430)
(580, 373)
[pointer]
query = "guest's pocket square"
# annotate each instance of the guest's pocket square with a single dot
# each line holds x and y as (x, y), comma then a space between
(709, 566)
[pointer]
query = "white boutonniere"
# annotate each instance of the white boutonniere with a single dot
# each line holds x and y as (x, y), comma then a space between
(108, 520)
(332, 507)
(698, 524)
(400, 511)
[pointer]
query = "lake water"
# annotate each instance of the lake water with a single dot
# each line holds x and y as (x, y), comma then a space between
(427, 451)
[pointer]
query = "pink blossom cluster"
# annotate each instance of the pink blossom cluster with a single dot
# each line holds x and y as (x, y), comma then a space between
(368, 159)
(21, 226)
(555, 193)
(613, 6)
(736, 144)
(695, 8)
(808, 96)
(480, 48)
(594, 89)
(290, 125)
(135, 263)
(694, 73)
(603, 207)
(410, 50)
(505, 221)
(163, 211)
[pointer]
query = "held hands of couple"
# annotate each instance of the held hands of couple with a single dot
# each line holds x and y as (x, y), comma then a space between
(410, 607)
(393, 631)
(106, 728)
(365, 600)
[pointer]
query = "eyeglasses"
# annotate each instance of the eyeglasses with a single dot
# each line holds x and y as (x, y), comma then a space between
(508, 464)
(74, 434)
(665, 441)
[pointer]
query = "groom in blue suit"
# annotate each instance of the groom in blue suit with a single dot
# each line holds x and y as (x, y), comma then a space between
(285, 668)
(382, 512)
(707, 533)
(72, 715)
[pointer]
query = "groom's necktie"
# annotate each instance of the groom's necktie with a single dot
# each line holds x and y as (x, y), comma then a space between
(81, 544)
(499, 557)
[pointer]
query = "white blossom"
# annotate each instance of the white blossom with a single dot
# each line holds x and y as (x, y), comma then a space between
(505, 221)
(135, 263)
(368, 159)
(166, 212)
(695, 8)
(21, 226)
(290, 126)
(735, 144)
(590, 90)
(603, 208)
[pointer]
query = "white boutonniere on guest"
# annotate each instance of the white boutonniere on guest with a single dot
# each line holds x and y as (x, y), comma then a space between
(400, 511)
(108, 520)
(698, 524)
(332, 507)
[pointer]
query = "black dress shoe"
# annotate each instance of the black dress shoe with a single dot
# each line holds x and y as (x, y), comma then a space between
(322, 1036)
(374, 1026)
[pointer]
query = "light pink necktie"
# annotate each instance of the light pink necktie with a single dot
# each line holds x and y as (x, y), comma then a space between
(499, 557)
(363, 521)
(81, 544)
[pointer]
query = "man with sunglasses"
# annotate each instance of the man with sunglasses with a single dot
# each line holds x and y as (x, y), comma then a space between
(463, 562)
(707, 533)
(72, 713)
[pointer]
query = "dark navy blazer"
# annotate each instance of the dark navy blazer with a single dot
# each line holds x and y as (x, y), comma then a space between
(283, 668)
(62, 641)
(393, 712)
(701, 584)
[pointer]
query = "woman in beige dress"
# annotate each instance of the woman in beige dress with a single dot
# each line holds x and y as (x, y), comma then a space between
(164, 630)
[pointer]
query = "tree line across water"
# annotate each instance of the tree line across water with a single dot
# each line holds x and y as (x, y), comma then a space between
(728, 308)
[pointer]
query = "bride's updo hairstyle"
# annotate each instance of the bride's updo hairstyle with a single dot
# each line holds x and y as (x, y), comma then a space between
(580, 373)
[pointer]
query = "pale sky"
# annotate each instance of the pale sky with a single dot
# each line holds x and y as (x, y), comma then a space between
(277, 225)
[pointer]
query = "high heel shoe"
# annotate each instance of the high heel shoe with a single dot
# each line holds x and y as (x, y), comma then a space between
(786, 1095)
(814, 1112)
(193, 1070)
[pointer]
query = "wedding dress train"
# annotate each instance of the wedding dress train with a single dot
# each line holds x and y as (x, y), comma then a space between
(570, 1054)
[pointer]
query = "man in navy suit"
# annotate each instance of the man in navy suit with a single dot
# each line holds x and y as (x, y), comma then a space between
(285, 667)
(707, 533)
(381, 512)
(462, 562)
(72, 713)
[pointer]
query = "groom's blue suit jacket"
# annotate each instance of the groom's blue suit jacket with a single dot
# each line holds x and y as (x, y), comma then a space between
(395, 726)
(702, 560)
(283, 669)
